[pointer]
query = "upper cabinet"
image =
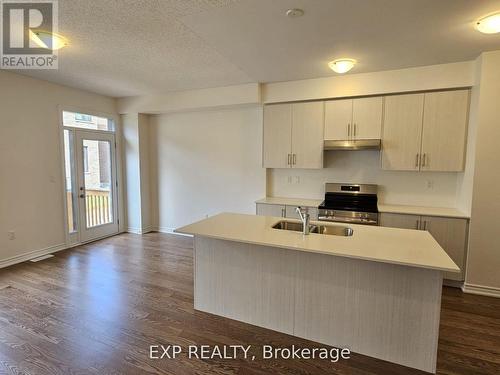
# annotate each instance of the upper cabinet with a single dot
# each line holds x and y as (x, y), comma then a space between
(419, 132)
(277, 136)
(293, 135)
(401, 136)
(352, 119)
(425, 132)
(444, 132)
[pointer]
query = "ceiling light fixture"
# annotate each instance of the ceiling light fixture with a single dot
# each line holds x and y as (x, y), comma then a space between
(45, 39)
(489, 24)
(341, 65)
(294, 13)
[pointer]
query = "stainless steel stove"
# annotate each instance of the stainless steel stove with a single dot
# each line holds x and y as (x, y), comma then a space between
(350, 203)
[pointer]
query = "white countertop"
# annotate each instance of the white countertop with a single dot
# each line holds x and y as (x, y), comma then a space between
(388, 208)
(427, 211)
(388, 245)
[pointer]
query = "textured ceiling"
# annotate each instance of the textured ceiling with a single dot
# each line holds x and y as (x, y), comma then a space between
(134, 47)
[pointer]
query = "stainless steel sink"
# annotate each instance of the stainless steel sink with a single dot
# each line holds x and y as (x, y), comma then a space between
(334, 230)
(289, 225)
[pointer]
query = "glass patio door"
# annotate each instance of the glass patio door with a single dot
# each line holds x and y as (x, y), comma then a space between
(95, 184)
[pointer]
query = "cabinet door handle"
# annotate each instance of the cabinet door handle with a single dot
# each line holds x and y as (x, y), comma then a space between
(289, 158)
(355, 128)
(425, 225)
(417, 160)
(294, 159)
(348, 130)
(424, 159)
(417, 224)
(283, 212)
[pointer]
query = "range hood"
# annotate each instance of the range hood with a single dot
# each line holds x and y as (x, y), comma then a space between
(359, 144)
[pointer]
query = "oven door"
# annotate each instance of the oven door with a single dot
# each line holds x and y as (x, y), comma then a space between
(352, 217)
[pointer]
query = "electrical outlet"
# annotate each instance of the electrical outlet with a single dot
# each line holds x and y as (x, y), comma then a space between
(12, 235)
(430, 184)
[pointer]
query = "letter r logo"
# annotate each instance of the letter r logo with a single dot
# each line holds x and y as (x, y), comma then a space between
(19, 19)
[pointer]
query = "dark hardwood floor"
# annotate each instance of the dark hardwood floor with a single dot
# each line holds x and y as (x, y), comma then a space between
(96, 309)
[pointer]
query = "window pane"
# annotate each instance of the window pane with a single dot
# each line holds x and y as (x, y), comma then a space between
(71, 198)
(98, 198)
(81, 120)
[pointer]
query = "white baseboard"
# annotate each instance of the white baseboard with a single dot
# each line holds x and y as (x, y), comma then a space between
(481, 290)
(31, 255)
(171, 231)
(140, 230)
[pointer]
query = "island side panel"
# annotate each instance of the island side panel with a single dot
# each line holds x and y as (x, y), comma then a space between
(377, 309)
(253, 284)
(381, 310)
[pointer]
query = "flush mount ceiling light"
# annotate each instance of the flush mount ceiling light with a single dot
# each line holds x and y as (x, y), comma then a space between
(341, 65)
(489, 24)
(44, 39)
(294, 13)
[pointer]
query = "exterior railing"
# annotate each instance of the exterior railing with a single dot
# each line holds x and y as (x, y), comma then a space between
(98, 207)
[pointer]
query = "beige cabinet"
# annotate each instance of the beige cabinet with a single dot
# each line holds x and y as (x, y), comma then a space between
(425, 132)
(293, 135)
(402, 131)
(338, 119)
(307, 135)
(450, 233)
(264, 209)
(444, 132)
(399, 221)
(277, 136)
(288, 211)
(351, 119)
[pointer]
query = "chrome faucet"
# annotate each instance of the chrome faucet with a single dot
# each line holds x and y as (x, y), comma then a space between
(305, 218)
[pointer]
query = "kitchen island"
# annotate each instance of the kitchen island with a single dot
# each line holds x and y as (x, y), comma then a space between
(377, 292)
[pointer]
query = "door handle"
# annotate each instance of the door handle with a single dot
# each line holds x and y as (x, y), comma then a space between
(425, 225)
(283, 212)
(417, 225)
(355, 127)
(424, 159)
(417, 160)
(348, 130)
(289, 158)
(294, 159)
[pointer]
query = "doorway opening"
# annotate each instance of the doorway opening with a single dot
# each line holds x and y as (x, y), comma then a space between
(90, 176)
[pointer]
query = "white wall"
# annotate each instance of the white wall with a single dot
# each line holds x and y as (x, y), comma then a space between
(203, 163)
(137, 172)
(411, 188)
(192, 100)
(31, 178)
(431, 77)
(483, 263)
(145, 175)
(132, 171)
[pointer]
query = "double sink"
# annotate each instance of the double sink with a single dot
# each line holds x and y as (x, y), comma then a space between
(335, 230)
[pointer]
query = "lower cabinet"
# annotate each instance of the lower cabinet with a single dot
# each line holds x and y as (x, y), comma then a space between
(264, 209)
(450, 233)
